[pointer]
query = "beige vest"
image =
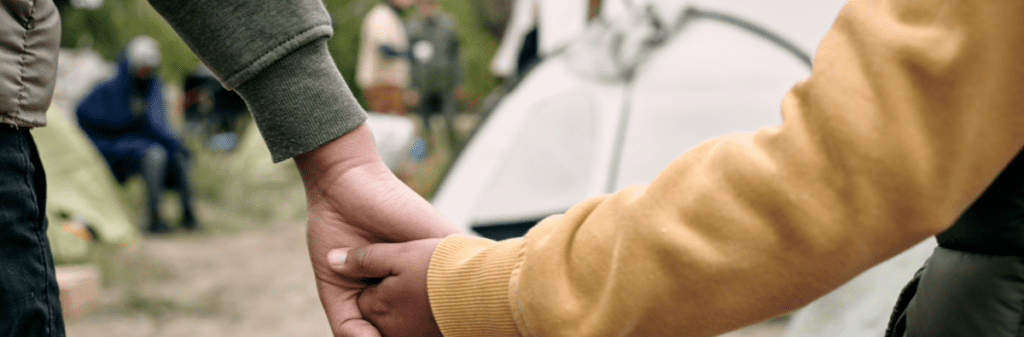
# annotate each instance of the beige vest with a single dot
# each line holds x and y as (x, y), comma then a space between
(28, 60)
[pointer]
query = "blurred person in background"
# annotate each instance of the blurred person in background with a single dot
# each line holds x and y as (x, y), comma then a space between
(211, 111)
(436, 68)
(197, 99)
(382, 71)
(125, 117)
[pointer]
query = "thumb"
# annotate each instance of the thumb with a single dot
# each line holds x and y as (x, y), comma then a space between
(370, 261)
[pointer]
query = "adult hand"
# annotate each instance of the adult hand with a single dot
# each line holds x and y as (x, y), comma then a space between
(396, 301)
(354, 200)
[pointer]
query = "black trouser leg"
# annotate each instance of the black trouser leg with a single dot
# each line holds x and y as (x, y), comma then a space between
(449, 111)
(29, 296)
(154, 174)
(180, 174)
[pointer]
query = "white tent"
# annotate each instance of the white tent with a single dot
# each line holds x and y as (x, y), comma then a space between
(561, 22)
(558, 23)
(636, 89)
(520, 22)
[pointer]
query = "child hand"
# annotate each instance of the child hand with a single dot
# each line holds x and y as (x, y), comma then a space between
(395, 300)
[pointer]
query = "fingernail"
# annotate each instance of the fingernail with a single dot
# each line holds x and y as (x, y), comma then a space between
(336, 257)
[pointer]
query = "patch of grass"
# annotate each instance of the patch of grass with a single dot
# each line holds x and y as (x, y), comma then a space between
(152, 306)
(158, 307)
(130, 273)
(125, 266)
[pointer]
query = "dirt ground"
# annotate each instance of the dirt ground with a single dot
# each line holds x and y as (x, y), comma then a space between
(255, 283)
(252, 283)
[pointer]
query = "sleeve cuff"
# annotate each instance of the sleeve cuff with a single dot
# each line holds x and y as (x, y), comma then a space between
(468, 284)
(301, 102)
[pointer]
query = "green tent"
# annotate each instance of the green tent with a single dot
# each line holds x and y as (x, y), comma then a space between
(80, 190)
(257, 186)
(251, 162)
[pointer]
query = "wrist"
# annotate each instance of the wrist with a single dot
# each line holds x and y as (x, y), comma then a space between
(347, 179)
(352, 153)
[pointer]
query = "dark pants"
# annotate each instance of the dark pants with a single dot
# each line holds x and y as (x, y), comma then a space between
(161, 170)
(438, 103)
(29, 297)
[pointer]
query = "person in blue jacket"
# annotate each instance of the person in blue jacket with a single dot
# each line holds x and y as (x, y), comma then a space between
(126, 119)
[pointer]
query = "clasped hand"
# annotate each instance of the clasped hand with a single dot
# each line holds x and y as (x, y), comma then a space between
(353, 200)
(395, 275)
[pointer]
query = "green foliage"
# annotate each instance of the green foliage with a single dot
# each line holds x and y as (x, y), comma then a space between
(344, 45)
(478, 48)
(243, 187)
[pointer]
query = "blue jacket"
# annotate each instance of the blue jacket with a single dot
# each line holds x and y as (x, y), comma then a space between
(105, 115)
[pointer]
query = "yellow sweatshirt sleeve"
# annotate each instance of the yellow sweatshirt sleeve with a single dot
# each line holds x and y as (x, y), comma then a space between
(911, 111)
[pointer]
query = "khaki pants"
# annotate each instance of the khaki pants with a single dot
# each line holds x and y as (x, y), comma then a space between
(386, 99)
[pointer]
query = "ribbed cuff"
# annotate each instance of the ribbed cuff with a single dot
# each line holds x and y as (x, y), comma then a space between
(468, 285)
(301, 102)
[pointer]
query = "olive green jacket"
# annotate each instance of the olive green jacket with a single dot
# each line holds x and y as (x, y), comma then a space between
(274, 54)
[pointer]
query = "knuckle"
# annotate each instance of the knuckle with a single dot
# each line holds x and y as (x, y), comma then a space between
(360, 258)
(373, 307)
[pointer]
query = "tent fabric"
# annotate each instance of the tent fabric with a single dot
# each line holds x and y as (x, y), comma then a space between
(803, 22)
(251, 161)
(734, 82)
(520, 22)
(562, 22)
(80, 186)
(559, 22)
(267, 188)
(479, 182)
(568, 119)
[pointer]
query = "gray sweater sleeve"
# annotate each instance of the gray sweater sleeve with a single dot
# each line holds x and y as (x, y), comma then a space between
(274, 54)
